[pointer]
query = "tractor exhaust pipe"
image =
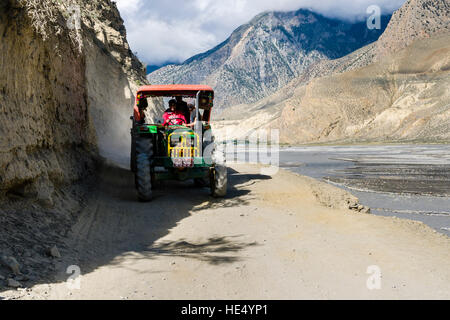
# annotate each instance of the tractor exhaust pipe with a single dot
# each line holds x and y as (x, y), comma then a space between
(198, 128)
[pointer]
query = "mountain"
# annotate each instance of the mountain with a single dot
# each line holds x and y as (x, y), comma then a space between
(393, 90)
(153, 68)
(402, 97)
(416, 19)
(267, 53)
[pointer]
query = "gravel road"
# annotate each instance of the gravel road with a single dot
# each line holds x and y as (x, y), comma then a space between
(274, 237)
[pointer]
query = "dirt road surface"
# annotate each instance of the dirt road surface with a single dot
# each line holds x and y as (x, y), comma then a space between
(273, 237)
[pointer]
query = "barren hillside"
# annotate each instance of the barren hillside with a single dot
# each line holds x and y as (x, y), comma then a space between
(404, 97)
(393, 90)
(416, 19)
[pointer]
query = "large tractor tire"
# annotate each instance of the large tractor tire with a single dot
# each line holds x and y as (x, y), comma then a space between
(219, 174)
(143, 176)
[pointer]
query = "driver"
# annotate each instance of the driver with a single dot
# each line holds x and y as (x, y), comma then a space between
(172, 116)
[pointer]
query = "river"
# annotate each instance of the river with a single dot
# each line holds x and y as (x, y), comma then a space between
(406, 181)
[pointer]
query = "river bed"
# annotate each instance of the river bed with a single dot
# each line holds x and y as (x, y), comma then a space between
(406, 181)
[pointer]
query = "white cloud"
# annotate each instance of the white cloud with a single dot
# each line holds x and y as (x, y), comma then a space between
(128, 7)
(161, 31)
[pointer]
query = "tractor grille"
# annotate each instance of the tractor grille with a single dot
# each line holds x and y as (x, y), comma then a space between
(183, 145)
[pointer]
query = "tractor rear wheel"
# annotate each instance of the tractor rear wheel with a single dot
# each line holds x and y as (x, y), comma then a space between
(143, 176)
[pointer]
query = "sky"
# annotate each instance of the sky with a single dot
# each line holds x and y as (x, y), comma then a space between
(162, 31)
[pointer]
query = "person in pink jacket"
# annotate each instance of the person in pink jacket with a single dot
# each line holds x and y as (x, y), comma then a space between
(172, 116)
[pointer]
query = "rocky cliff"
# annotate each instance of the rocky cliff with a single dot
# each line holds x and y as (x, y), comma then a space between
(113, 74)
(46, 136)
(66, 94)
(65, 86)
(267, 53)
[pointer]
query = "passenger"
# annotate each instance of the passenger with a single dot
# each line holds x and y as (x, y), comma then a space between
(191, 109)
(139, 111)
(183, 108)
(192, 112)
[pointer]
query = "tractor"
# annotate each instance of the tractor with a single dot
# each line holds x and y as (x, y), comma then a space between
(176, 152)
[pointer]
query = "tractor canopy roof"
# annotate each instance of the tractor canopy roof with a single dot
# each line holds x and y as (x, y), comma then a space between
(173, 90)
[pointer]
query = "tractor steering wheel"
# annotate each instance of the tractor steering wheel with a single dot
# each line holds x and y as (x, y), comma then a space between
(174, 124)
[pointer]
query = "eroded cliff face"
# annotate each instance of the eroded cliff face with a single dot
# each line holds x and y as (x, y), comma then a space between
(64, 92)
(45, 138)
(113, 75)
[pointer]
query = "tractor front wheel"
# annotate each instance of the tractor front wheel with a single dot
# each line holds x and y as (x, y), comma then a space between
(143, 176)
(133, 155)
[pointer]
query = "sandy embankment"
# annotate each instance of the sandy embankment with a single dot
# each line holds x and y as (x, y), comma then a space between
(271, 238)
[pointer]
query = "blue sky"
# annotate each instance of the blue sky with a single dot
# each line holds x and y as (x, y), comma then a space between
(173, 31)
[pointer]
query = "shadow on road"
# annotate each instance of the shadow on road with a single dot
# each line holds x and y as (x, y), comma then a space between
(215, 250)
(114, 224)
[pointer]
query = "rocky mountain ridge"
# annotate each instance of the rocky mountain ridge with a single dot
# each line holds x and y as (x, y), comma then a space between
(395, 89)
(267, 53)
